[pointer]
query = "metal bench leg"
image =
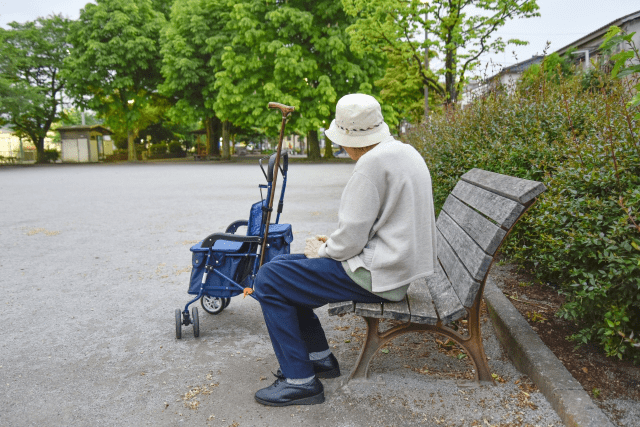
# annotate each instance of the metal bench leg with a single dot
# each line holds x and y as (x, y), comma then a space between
(371, 345)
(373, 342)
(474, 346)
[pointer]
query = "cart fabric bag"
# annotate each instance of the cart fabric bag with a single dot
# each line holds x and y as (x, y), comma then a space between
(227, 259)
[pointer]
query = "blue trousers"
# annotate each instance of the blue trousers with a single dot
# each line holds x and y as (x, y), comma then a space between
(289, 288)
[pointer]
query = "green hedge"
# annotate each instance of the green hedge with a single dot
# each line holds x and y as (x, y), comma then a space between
(158, 148)
(578, 135)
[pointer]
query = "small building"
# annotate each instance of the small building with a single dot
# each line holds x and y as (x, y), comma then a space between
(588, 47)
(506, 78)
(82, 144)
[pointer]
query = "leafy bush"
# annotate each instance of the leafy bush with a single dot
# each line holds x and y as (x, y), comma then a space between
(582, 141)
(175, 147)
(552, 68)
(158, 148)
(51, 156)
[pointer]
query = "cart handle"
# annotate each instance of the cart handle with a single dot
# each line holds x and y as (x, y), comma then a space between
(213, 238)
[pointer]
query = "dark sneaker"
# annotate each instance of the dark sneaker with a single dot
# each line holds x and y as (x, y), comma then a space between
(281, 393)
(323, 368)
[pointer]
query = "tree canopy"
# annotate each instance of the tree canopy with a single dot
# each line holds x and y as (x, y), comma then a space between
(459, 31)
(31, 58)
(114, 66)
(295, 52)
(193, 42)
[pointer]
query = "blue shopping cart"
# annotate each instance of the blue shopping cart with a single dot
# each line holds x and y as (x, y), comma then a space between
(224, 264)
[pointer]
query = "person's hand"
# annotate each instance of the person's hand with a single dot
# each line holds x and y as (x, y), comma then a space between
(312, 246)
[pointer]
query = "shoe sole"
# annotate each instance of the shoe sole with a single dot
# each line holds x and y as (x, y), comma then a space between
(334, 373)
(311, 400)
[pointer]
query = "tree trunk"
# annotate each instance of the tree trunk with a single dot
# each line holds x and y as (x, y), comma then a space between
(212, 126)
(214, 149)
(226, 127)
(208, 129)
(131, 147)
(40, 150)
(313, 145)
(426, 71)
(450, 63)
(328, 148)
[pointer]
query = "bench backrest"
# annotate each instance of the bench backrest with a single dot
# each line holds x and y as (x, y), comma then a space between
(474, 221)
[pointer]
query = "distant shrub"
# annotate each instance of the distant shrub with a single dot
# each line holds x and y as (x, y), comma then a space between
(158, 148)
(51, 156)
(582, 141)
(175, 147)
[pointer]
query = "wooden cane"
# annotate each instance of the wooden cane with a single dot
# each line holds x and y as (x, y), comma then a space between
(285, 110)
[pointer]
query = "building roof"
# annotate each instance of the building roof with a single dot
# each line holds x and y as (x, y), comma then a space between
(600, 31)
(94, 128)
(522, 65)
(517, 68)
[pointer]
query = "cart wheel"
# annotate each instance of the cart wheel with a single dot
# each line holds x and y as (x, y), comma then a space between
(212, 305)
(178, 324)
(226, 302)
(196, 322)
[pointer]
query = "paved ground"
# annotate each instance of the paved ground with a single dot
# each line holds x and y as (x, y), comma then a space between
(95, 259)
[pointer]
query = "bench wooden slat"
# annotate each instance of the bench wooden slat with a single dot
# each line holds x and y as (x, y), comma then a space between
(445, 298)
(518, 189)
(397, 310)
(500, 209)
(368, 310)
(486, 234)
(421, 303)
(465, 286)
(341, 307)
(472, 256)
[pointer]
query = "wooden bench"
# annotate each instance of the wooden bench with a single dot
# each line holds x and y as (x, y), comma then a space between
(474, 221)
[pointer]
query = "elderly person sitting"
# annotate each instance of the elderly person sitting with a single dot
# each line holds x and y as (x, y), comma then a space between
(385, 240)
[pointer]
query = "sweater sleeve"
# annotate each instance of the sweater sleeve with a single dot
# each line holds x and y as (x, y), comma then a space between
(359, 207)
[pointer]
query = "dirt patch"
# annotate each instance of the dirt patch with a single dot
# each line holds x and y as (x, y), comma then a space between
(601, 376)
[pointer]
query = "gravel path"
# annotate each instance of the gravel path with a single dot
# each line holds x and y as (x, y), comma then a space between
(95, 259)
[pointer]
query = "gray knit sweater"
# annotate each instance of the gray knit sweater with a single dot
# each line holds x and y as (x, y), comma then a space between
(386, 221)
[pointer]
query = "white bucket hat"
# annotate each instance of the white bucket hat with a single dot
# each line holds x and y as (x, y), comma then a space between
(358, 122)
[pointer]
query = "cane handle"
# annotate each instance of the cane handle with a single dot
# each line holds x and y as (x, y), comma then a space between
(286, 110)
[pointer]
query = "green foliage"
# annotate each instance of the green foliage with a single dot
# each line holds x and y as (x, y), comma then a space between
(158, 148)
(73, 116)
(51, 156)
(114, 66)
(175, 148)
(226, 60)
(615, 39)
(552, 68)
(458, 33)
(192, 45)
(31, 59)
(295, 52)
(582, 235)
